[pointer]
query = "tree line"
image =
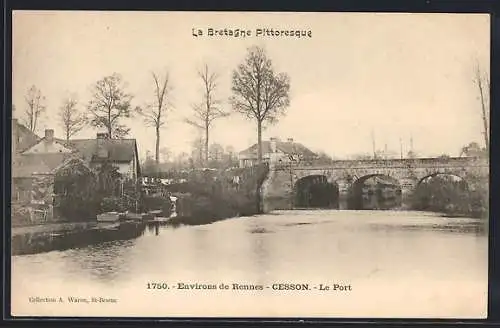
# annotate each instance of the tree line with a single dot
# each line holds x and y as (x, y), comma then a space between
(258, 93)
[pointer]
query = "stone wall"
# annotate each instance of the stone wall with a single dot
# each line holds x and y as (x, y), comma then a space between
(277, 191)
(21, 190)
(36, 204)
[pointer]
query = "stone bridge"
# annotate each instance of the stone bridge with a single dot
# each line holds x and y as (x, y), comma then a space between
(279, 187)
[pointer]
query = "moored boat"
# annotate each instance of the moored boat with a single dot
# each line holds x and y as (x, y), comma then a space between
(161, 219)
(132, 217)
(108, 217)
(155, 213)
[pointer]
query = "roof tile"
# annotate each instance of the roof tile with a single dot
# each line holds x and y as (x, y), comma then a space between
(119, 150)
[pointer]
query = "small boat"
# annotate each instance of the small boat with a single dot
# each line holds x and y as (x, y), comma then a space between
(155, 213)
(161, 219)
(113, 227)
(106, 225)
(132, 216)
(108, 217)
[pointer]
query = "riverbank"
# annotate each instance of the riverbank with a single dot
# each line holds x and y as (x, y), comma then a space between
(56, 227)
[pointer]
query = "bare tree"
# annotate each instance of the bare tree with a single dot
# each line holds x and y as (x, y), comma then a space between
(483, 83)
(72, 120)
(258, 92)
(155, 114)
(109, 104)
(35, 107)
(197, 151)
(209, 110)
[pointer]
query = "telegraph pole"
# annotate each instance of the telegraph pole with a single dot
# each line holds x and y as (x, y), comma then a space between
(401, 147)
(479, 81)
(411, 145)
(373, 145)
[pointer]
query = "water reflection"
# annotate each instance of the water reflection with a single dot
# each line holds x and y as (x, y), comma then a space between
(201, 241)
(33, 242)
(282, 246)
(262, 245)
(105, 262)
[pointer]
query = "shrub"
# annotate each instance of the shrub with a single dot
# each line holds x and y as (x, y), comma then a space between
(113, 204)
(157, 203)
(450, 197)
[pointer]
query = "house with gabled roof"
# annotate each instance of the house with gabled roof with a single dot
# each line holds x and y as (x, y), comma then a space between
(120, 153)
(38, 162)
(274, 151)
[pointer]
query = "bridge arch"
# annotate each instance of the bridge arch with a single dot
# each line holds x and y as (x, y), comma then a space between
(315, 191)
(382, 192)
(453, 175)
(441, 192)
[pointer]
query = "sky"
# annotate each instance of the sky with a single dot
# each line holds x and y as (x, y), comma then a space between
(394, 76)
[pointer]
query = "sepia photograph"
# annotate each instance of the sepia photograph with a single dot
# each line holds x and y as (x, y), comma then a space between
(250, 164)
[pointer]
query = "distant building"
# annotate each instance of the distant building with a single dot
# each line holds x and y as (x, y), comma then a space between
(275, 151)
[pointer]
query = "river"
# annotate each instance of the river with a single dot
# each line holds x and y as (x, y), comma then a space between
(390, 264)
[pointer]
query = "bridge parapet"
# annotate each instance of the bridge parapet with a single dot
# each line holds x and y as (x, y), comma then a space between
(388, 163)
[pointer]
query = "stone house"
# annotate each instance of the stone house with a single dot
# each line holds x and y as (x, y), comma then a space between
(38, 162)
(275, 151)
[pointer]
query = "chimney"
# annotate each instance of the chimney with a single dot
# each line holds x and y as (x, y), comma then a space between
(49, 135)
(102, 151)
(289, 140)
(272, 144)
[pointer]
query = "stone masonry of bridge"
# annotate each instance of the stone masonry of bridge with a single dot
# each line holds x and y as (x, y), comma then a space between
(277, 191)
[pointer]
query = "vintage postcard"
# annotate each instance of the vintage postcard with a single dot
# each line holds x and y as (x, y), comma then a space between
(231, 164)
